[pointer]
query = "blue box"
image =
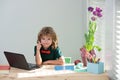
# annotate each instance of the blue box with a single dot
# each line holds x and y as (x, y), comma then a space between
(58, 67)
(69, 67)
(96, 68)
(64, 67)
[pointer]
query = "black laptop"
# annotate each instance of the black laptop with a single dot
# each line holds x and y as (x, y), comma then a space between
(18, 61)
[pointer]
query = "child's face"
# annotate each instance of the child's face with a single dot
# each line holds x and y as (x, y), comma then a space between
(46, 41)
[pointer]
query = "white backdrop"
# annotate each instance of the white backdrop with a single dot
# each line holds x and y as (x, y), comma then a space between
(21, 20)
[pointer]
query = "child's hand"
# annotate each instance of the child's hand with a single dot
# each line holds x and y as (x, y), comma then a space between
(38, 45)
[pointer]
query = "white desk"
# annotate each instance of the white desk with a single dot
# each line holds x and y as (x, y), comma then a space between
(51, 74)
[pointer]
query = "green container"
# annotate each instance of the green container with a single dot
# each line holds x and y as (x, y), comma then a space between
(67, 60)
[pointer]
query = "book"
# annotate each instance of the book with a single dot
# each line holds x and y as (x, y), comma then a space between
(67, 66)
(4, 69)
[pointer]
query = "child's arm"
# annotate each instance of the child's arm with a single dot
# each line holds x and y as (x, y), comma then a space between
(38, 58)
(59, 61)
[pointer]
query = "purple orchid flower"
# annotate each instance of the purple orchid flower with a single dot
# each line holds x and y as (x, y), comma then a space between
(93, 18)
(90, 9)
(99, 14)
(98, 9)
(95, 13)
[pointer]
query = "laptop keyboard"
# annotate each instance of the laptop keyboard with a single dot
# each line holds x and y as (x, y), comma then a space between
(31, 65)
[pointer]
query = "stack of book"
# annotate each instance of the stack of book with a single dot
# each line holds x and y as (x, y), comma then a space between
(4, 69)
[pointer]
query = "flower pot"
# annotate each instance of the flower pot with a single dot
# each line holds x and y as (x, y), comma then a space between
(95, 68)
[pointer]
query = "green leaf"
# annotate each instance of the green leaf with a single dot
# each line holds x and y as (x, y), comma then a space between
(89, 37)
(98, 48)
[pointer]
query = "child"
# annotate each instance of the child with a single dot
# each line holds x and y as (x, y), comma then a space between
(47, 50)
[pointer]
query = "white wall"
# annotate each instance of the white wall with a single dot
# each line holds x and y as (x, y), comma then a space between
(21, 20)
(109, 39)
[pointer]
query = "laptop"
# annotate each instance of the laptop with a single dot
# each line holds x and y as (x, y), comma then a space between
(18, 61)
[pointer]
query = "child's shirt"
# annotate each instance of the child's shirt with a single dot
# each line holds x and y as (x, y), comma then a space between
(49, 54)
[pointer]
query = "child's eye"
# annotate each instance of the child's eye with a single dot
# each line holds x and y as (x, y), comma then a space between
(49, 39)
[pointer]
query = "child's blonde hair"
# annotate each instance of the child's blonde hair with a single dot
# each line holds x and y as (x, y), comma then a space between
(48, 31)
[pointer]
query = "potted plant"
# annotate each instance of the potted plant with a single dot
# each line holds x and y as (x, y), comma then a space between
(88, 50)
